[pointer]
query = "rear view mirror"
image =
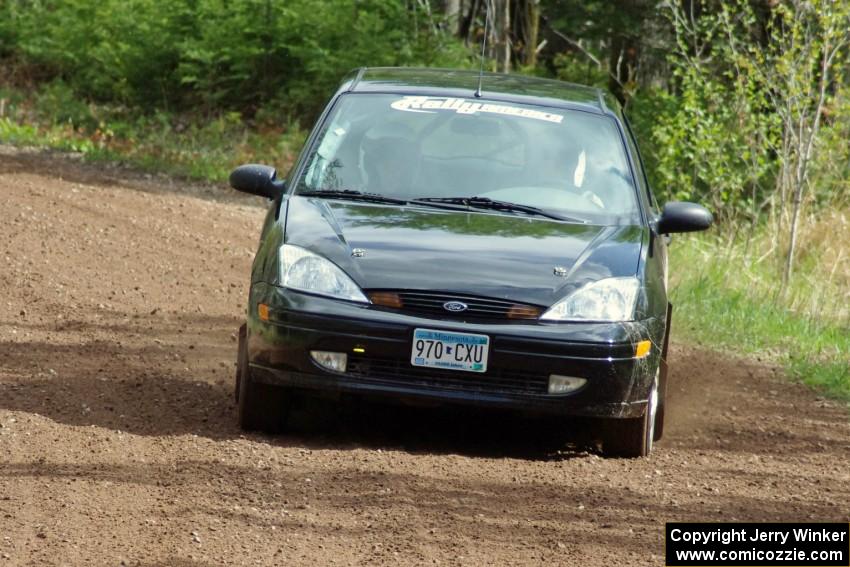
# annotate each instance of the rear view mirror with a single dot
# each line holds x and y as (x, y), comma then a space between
(683, 217)
(257, 179)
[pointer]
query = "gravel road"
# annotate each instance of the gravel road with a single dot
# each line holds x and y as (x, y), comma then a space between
(121, 296)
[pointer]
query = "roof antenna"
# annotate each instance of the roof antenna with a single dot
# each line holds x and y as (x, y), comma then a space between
(483, 47)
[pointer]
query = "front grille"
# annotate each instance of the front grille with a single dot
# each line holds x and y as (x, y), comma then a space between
(431, 303)
(397, 372)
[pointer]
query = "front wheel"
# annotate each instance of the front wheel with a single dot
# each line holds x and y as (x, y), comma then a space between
(260, 407)
(662, 401)
(633, 437)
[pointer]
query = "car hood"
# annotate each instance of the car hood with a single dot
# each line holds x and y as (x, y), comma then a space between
(511, 257)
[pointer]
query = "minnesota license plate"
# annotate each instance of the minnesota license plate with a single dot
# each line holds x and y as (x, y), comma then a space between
(452, 351)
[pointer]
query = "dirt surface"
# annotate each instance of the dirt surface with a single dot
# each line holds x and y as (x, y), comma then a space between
(118, 444)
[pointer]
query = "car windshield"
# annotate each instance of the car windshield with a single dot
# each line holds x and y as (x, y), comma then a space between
(565, 162)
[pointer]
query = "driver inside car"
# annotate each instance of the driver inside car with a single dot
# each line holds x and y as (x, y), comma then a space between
(579, 178)
(388, 160)
(570, 169)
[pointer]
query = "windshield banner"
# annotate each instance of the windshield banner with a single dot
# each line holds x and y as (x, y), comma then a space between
(431, 104)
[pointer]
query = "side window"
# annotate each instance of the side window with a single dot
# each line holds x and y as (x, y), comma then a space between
(643, 182)
(326, 170)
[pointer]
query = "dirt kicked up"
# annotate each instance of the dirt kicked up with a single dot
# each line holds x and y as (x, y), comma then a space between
(119, 304)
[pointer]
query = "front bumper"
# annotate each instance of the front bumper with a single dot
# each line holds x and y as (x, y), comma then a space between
(522, 356)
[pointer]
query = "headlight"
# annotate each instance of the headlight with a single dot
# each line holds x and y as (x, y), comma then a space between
(611, 299)
(302, 270)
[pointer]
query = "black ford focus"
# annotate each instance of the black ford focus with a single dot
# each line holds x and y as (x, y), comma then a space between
(438, 242)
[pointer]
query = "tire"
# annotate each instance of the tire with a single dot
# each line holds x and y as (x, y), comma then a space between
(259, 407)
(658, 431)
(663, 369)
(242, 337)
(633, 437)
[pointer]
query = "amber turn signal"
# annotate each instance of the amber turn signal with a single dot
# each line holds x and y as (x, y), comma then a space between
(642, 349)
(263, 311)
(386, 299)
(523, 312)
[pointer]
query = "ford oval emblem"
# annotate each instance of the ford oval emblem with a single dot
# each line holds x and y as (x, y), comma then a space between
(455, 306)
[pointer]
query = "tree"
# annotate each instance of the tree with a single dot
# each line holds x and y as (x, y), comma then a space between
(753, 83)
(796, 68)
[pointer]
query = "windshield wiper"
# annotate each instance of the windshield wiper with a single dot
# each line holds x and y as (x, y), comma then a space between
(354, 195)
(374, 198)
(487, 203)
(453, 203)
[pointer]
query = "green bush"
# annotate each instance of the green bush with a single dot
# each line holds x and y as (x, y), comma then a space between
(216, 54)
(57, 103)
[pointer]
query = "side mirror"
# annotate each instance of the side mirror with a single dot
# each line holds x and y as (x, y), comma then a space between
(257, 180)
(683, 217)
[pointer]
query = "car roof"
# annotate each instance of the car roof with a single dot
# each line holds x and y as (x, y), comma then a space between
(464, 83)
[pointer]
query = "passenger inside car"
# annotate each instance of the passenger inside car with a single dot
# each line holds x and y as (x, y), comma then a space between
(388, 159)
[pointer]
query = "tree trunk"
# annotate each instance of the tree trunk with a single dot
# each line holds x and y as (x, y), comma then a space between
(792, 244)
(529, 31)
(465, 29)
(806, 137)
(506, 37)
(500, 29)
(453, 21)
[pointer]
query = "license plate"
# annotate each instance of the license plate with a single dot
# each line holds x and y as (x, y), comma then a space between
(452, 351)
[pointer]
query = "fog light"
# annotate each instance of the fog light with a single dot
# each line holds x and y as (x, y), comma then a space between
(335, 361)
(564, 384)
